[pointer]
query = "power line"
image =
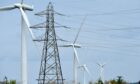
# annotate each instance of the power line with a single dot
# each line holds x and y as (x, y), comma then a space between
(131, 11)
(108, 28)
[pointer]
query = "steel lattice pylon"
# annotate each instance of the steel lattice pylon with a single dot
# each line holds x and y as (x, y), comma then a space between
(50, 69)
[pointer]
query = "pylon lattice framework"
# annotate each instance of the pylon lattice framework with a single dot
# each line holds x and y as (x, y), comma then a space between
(50, 69)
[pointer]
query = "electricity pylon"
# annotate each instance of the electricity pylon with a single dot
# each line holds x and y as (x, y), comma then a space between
(50, 69)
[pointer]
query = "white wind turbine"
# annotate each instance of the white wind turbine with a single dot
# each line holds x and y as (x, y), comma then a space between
(101, 66)
(24, 27)
(75, 58)
(85, 69)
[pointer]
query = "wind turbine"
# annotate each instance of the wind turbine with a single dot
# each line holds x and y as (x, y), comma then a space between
(101, 66)
(24, 26)
(75, 58)
(85, 69)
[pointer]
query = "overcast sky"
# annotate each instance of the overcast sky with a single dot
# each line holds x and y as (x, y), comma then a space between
(110, 34)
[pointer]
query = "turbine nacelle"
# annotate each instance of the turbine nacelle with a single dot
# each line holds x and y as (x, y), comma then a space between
(17, 5)
(101, 65)
(84, 66)
(72, 45)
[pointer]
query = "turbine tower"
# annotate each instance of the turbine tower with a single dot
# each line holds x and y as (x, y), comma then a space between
(24, 27)
(50, 69)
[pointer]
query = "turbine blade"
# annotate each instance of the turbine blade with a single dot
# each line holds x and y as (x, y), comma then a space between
(104, 64)
(65, 46)
(99, 64)
(75, 53)
(71, 45)
(79, 30)
(24, 17)
(7, 8)
(87, 69)
(27, 22)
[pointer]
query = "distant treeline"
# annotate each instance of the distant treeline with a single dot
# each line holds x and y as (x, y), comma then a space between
(8, 82)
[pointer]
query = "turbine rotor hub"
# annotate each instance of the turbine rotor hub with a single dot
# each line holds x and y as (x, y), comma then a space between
(24, 6)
